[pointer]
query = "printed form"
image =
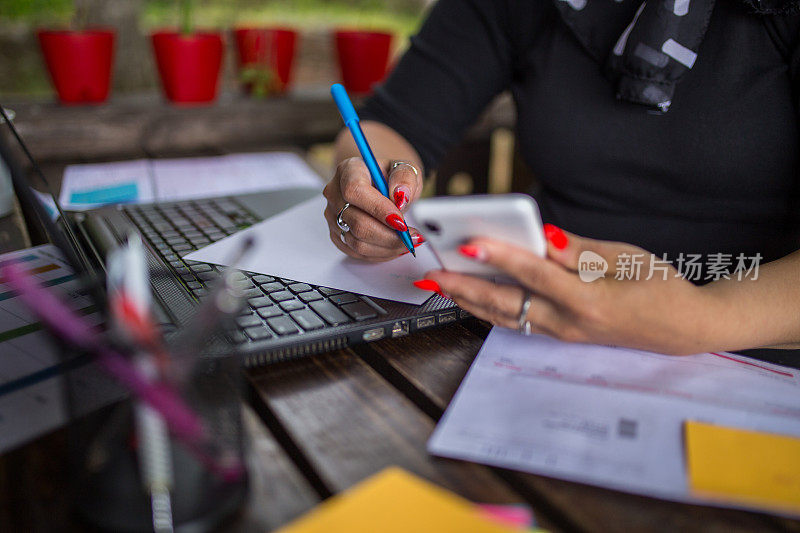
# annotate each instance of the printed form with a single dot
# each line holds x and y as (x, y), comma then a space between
(31, 368)
(606, 416)
(165, 180)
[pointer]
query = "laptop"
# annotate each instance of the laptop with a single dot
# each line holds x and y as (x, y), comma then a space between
(284, 318)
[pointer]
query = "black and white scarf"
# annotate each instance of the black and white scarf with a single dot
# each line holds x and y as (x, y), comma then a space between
(659, 45)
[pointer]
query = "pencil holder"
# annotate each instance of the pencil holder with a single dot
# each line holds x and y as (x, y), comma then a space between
(116, 475)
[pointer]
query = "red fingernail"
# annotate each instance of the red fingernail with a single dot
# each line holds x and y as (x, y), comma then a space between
(473, 252)
(400, 199)
(428, 285)
(396, 222)
(417, 239)
(556, 236)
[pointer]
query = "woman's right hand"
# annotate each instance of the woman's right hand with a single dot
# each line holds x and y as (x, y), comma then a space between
(373, 218)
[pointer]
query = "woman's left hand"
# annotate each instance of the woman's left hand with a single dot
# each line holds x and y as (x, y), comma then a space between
(655, 310)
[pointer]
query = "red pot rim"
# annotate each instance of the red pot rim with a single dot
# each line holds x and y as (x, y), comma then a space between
(345, 32)
(198, 35)
(89, 32)
(276, 29)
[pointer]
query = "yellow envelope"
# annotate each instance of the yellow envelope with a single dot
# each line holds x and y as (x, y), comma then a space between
(742, 466)
(394, 501)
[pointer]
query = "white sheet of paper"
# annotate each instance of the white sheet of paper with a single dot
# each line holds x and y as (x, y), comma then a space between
(606, 416)
(186, 178)
(295, 245)
(86, 179)
(204, 177)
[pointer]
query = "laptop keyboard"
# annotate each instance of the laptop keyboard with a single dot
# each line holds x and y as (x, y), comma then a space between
(276, 307)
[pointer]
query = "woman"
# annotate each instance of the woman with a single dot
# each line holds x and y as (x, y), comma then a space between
(670, 125)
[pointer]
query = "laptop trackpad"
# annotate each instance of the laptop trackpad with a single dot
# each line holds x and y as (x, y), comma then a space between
(267, 204)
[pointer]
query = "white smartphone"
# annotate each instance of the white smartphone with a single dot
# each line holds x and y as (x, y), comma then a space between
(448, 222)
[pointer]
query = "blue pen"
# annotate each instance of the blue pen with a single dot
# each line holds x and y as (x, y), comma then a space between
(350, 118)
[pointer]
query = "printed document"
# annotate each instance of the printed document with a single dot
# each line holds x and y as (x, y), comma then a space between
(151, 180)
(611, 417)
(296, 244)
(31, 395)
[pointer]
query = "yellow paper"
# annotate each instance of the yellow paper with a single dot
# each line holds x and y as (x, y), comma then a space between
(748, 467)
(394, 501)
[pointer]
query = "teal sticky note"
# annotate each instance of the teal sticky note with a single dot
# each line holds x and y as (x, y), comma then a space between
(114, 194)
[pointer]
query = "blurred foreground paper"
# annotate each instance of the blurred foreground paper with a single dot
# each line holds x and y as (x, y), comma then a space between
(295, 244)
(394, 501)
(611, 417)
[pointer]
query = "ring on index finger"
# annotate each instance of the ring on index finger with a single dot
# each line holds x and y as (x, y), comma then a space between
(523, 324)
(341, 223)
(396, 164)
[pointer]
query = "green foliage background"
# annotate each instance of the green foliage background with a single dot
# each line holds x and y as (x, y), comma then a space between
(401, 16)
(36, 11)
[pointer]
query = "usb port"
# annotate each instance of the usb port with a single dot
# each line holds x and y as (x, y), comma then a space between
(373, 334)
(426, 322)
(400, 329)
(444, 318)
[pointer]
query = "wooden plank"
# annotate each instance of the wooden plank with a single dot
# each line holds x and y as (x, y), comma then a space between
(278, 491)
(135, 126)
(132, 126)
(435, 373)
(345, 423)
(34, 486)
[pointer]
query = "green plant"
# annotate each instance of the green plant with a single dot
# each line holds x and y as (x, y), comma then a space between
(261, 79)
(186, 7)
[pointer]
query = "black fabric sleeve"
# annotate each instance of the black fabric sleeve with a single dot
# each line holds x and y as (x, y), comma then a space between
(785, 33)
(462, 57)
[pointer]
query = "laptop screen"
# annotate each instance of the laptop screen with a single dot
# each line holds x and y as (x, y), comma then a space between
(62, 232)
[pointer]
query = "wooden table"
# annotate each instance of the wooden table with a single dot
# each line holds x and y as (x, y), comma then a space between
(318, 425)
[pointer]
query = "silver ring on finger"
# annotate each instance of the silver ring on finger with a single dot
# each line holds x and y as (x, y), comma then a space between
(523, 324)
(341, 223)
(396, 164)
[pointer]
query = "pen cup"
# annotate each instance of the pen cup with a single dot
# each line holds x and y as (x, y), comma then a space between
(208, 479)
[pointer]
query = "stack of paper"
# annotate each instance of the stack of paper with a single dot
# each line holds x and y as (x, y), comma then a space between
(616, 418)
(145, 180)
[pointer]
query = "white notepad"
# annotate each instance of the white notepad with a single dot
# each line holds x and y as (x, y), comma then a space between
(295, 244)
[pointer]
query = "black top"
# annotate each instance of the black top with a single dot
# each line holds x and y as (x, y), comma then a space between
(717, 173)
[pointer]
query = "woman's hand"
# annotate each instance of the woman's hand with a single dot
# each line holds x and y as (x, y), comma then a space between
(372, 217)
(664, 313)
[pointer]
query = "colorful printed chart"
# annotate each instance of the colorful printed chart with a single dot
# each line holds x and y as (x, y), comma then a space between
(31, 393)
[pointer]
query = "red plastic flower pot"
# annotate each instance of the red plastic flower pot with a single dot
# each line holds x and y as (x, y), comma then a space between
(267, 47)
(363, 57)
(79, 63)
(188, 65)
